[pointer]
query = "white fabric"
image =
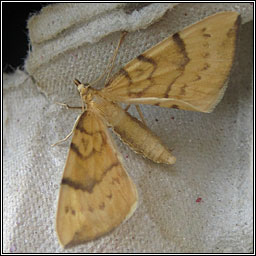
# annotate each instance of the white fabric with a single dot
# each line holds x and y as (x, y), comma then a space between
(214, 160)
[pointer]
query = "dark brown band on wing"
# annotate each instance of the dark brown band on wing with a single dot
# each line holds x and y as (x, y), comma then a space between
(89, 187)
(74, 148)
(180, 43)
(152, 62)
(141, 57)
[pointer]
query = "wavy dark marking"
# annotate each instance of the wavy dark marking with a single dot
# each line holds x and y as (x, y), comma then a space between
(80, 127)
(82, 130)
(126, 74)
(87, 188)
(80, 155)
(150, 61)
(166, 94)
(85, 142)
(176, 38)
(180, 43)
(74, 148)
(143, 58)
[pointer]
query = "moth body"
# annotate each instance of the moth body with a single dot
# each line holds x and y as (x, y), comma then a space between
(130, 130)
(188, 70)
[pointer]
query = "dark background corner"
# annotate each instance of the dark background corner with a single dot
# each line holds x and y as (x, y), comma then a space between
(14, 32)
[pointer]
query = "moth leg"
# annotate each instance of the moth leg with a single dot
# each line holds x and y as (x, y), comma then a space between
(141, 115)
(127, 107)
(67, 106)
(139, 111)
(74, 127)
(124, 33)
(111, 63)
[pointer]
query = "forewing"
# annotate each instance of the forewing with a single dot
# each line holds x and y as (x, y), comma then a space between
(187, 70)
(96, 193)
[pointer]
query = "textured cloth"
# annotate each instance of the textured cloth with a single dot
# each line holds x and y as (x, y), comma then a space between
(201, 204)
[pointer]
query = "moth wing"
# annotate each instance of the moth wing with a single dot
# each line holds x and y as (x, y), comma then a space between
(187, 70)
(96, 193)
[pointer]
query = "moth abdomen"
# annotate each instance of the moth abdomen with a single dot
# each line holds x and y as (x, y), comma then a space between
(133, 132)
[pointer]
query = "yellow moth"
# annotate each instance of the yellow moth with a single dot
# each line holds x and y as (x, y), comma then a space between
(187, 70)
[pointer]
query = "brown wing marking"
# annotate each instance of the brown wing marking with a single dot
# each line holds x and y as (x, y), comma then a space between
(188, 69)
(96, 193)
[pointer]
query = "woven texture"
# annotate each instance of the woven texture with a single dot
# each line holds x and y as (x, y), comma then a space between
(203, 203)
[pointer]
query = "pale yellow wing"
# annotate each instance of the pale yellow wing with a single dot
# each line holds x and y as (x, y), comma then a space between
(96, 193)
(187, 70)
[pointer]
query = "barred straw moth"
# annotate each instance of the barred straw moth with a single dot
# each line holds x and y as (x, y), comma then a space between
(188, 71)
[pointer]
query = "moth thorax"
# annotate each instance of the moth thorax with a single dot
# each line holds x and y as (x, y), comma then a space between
(83, 89)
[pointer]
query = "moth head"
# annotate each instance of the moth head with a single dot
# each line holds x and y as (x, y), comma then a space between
(82, 88)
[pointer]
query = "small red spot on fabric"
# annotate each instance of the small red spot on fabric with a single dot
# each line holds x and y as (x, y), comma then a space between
(199, 199)
(172, 117)
(13, 249)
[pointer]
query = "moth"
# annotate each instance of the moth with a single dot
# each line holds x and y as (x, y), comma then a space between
(187, 70)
